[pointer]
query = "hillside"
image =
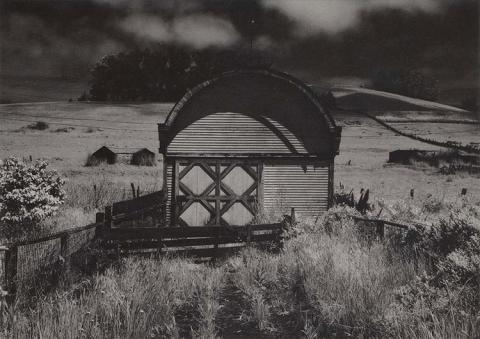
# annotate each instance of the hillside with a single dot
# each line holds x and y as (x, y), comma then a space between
(392, 107)
(77, 129)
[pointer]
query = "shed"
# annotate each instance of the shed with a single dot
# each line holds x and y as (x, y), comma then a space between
(103, 154)
(143, 157)
(244, 143)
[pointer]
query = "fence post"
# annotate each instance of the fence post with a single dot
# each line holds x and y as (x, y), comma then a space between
(217, 235)
(292, 215)
(107, 223)
(159, 242)
(108, 218)
(64, 252)
(380, 229)
(99, 219)
(249, 234)
(11, 258)
(133, 189)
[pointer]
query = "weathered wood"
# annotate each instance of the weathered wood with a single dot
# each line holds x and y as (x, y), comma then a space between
(380, 228)
(99, 217)
(187, 242)
(177, 232)
(205, 183)
(134, 205)
(133, 189)
(64, 252)
(107, 224)
(11, 264)
(385, 222)
(217, 236)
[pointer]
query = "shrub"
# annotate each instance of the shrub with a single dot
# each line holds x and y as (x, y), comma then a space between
(28, 194)
(39, 125)
(64, 129)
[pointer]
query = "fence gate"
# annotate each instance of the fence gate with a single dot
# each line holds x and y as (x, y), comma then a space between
(216, 192)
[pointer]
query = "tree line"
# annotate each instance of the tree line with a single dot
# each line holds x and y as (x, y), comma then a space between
(164, 73)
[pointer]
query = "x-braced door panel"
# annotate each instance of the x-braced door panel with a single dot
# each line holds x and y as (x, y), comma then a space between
(216, 192)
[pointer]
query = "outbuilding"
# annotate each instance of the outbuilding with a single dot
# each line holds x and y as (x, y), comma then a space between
(143, 157)
(244, 144)
(103, 154)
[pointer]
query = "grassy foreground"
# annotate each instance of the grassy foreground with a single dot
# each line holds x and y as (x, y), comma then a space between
(330, 280)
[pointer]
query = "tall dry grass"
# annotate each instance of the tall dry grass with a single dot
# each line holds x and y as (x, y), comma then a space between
(138, 300)
(327, 281)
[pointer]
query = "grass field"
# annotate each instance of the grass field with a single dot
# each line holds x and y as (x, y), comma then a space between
(320, 285)
(362, 161)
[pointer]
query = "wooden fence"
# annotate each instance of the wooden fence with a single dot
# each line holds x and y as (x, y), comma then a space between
(379, 225)
(132, 226)
(143, 211)
(204, 241)
(135, 226)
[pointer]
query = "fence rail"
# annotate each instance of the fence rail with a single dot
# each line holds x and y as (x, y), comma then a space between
(205, 241)
(379, 225)
(126, 226)
(135, 226)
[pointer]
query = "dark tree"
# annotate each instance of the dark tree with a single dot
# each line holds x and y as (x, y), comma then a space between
(166, 73)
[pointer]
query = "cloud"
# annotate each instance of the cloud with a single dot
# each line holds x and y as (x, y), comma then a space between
(147, 27)
(196, 30)
(202, 31)
(32, 47)
(333, 16)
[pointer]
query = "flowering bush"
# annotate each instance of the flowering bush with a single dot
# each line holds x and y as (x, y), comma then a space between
(28, 194)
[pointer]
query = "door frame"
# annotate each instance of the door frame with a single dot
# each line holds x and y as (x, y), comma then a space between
(217, 175)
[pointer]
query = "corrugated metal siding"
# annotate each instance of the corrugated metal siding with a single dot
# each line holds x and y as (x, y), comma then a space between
(234, 133)
(287, 186)
(169, 187)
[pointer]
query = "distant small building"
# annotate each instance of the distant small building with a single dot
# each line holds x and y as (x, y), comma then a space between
(103, 154)
(143, 157)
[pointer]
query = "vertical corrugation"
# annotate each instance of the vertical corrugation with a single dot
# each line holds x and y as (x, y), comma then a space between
(303, 187)
(169, 188)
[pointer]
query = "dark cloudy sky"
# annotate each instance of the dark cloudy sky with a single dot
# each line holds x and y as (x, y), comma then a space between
(315, 40)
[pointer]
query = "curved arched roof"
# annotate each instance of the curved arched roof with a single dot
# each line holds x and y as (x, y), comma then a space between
(259, 94)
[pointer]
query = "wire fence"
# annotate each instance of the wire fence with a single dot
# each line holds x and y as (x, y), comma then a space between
(25, 263)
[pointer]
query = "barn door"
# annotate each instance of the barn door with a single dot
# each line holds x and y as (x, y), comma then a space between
(216, 192)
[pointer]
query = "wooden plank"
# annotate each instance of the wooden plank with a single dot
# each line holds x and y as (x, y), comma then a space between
(129, 206)
(185, 232)
(151, 211)
(108, 219)
(206, 252)
(187, 242)
(11, 257)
